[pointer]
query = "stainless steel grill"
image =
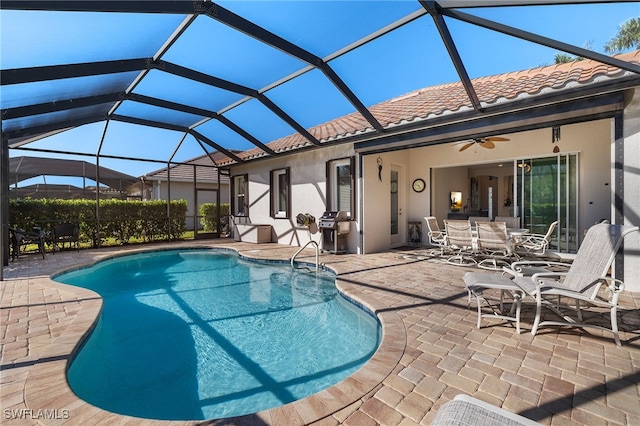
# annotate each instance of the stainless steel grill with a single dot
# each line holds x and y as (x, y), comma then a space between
(334, 227)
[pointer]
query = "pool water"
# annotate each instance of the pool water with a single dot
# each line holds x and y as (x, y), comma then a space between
(204, 334)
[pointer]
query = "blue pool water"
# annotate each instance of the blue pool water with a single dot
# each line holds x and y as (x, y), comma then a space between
(203, 334)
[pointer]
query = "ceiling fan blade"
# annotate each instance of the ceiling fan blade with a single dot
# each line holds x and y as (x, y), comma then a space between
(487, 144)
(496, 139)
(467, 146)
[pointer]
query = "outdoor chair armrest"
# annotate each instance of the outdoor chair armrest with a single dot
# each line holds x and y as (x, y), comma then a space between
(539, 263)
(531, 237)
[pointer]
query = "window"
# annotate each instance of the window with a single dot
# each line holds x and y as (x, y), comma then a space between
(340, 186)
(240, 197)
(280, 193)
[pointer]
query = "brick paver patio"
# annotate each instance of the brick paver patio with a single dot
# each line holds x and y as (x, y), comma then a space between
(431, 349)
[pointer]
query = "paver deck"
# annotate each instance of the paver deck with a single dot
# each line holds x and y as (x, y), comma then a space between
(431, 349)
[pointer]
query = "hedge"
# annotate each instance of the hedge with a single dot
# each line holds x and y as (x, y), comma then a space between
(208, 215)
(119, 219)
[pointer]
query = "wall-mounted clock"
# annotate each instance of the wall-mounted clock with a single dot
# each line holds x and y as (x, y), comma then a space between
(418, 185)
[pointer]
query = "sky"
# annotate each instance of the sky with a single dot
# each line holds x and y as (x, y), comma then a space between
(404, 60)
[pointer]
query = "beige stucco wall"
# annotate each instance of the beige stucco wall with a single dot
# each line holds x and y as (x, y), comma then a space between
(308, 192)
(376, 192)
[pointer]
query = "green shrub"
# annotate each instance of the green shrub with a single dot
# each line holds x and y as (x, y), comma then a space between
(120, 220)
(208, 215)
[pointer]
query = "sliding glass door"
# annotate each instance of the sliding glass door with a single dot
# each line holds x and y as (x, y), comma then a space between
(547, 190)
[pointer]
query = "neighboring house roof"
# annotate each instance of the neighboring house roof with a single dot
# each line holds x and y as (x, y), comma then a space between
(68, 192)
(23, 168)
(184, 172)
(444, 99)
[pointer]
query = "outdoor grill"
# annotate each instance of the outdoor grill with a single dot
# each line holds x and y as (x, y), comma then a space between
(334, 227)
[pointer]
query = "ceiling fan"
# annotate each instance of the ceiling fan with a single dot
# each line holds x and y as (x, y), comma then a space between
(484, 142)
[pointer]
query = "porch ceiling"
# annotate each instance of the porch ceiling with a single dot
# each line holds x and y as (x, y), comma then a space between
(236, 77)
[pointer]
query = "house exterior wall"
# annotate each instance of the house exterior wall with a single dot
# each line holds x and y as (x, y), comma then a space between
(308, 193)
(376, 208)
(446, 168)
(441, 165)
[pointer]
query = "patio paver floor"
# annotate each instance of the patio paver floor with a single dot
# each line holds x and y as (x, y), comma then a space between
(431, 351)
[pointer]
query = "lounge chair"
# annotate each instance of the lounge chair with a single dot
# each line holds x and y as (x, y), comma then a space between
(437, 238)
(467, 410)
(582, 282)
(535, 244)
(460, 242)
(494, 242)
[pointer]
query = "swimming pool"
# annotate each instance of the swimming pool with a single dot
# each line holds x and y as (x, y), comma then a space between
(204, 334)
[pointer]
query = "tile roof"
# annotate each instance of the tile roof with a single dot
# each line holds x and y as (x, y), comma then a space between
(440, 100)
(184, 171)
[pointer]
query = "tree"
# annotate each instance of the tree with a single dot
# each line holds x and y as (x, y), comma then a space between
(628, 37)
(563, 58)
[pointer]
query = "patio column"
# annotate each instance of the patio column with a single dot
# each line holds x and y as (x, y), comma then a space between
(4, 210)
(627, 186)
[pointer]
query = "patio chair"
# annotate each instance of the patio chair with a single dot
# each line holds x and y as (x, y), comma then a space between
(65, 233)
(582, 282)
(437, 238)
(20, 237)
(494, 242)
(460, 242)
(467, 410)
(475, 219)
(510, 221)
(535, 244)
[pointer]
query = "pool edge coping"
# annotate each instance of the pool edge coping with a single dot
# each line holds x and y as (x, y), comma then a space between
(47, 382)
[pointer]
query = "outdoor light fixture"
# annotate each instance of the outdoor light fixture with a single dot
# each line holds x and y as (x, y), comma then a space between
(555, 137)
